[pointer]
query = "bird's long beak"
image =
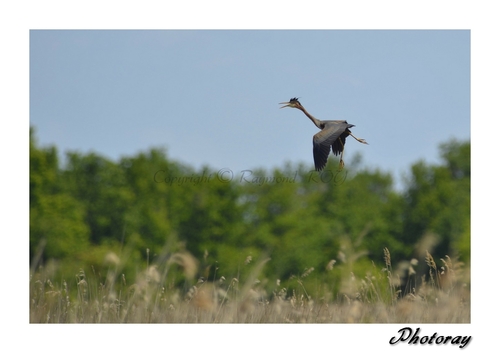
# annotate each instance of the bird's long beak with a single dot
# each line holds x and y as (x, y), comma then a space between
(287, 104)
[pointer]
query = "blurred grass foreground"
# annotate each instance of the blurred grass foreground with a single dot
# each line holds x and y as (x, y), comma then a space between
(441, 297)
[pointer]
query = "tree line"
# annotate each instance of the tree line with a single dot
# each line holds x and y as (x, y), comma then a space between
(147, 206)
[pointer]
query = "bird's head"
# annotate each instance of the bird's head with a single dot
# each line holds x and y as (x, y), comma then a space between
(293, 103)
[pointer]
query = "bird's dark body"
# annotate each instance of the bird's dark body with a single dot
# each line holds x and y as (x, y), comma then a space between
(337, 147)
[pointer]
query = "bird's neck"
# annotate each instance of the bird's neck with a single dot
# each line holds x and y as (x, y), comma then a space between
(313, 119)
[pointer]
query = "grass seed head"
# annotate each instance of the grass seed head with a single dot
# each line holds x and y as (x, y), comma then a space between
(111, 259)
(187, 262)
(330, 264)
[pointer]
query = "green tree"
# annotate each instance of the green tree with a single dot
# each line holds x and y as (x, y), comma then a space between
(437, 201)
(100, 185)
(57, 219)
(149, 215)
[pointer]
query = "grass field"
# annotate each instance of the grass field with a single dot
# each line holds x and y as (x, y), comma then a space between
(442, 295)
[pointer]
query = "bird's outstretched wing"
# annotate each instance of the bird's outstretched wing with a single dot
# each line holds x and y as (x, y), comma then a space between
(326, 139)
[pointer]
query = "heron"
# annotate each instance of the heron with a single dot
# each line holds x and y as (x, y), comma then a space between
(333, 133)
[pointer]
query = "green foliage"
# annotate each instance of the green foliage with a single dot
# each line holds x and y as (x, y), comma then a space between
(57, 218)
(147, 207)
(101, 187)
(437, 201)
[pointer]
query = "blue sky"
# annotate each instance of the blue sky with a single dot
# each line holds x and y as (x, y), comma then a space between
(211, 97)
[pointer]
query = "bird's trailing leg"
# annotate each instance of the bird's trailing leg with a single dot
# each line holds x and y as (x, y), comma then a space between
(341, 163)
(359, 140)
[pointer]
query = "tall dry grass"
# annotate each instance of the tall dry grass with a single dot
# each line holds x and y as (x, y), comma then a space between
(383, 295)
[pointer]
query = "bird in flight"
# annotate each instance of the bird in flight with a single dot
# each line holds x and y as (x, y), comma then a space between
(333, 134)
